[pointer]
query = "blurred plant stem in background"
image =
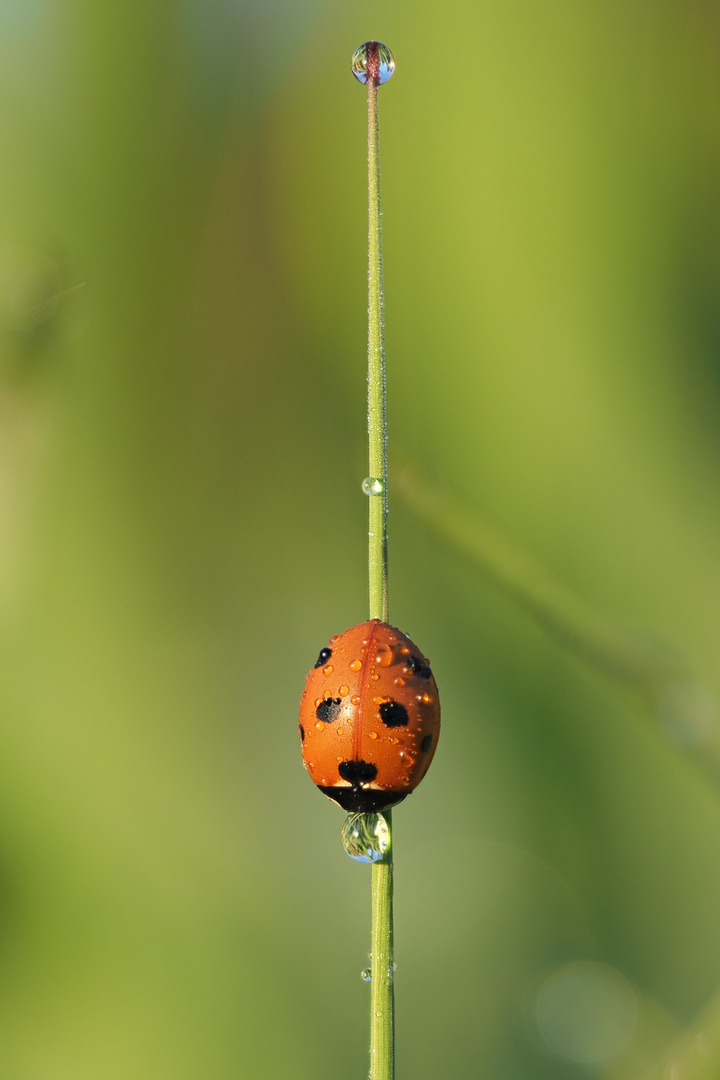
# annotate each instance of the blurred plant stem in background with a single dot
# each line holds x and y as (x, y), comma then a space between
(655, 669)
(455, 521)
(695, 1054)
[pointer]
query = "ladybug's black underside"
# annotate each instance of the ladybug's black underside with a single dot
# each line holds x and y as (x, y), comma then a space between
(359, 800)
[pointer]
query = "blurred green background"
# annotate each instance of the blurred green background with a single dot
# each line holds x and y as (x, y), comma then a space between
(182, 414)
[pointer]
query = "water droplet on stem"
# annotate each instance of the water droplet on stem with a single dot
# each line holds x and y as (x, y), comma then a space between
(371, 485)
(372, 57)
(365, 837)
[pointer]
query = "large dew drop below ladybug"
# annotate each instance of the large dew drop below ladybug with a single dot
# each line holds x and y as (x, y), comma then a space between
(369, 718)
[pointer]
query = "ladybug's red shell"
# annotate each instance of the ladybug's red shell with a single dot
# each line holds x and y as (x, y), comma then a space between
(369, 718)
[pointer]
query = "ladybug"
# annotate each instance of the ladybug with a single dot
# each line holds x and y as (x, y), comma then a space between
(369, 718)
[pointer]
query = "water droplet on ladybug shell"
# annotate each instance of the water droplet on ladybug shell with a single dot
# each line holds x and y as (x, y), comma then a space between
(384, 655)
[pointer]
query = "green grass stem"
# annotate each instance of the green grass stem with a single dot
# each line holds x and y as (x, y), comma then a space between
(377, 533)
(382, 1014)
(382, 1017)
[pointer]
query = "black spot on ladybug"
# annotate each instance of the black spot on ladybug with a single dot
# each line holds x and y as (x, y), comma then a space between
(393, 714)
(302, 733)
(426, 743)
(417, 667)
(323, 658)
(329, 709)
(357, 772)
